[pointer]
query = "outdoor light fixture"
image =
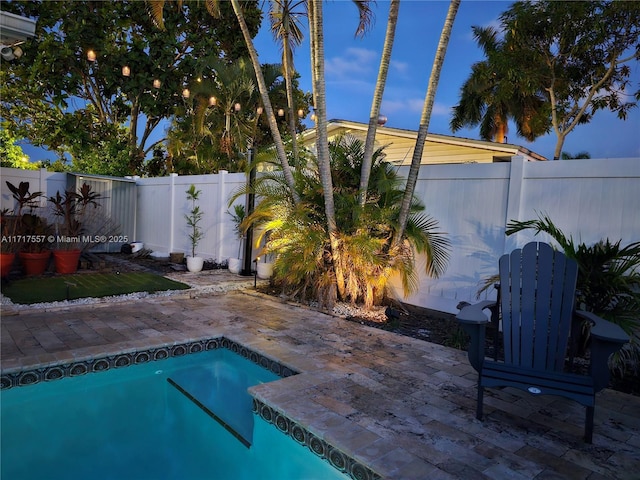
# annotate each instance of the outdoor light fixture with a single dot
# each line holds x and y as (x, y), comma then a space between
(259, 110)
(301, 113)
(281, 112)
(212, 101)
(126, 71)
(382, 120)
(91, 55)
(236, 107)
(157, 83)
(186, 93)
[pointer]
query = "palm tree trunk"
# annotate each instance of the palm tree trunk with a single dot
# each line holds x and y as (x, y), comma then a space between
(264, 94)
(322, 142)
(377, 100)
(288, 74)
(427, 108)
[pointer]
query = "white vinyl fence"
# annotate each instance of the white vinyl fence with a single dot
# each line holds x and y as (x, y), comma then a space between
(162, 206)
(587, 199)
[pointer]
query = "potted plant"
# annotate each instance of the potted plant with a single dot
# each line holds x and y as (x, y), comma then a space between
(71, 210)
(264, 268)
(238, 215)
(194, 263)
(31, 231)
(9, 245)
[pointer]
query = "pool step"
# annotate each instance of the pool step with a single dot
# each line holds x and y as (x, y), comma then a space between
(224, 399)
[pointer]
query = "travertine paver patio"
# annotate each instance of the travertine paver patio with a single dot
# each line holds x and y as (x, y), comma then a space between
(402, 406)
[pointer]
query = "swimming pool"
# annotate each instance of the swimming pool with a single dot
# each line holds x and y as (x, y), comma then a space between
(152, 421)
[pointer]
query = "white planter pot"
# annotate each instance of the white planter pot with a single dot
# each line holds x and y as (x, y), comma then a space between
(194, 264)
(265, 270)
(234, 265)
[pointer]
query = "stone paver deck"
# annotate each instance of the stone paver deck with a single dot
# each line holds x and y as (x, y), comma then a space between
(401, 406)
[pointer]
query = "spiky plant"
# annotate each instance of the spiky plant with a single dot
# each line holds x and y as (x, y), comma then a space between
(304, 265)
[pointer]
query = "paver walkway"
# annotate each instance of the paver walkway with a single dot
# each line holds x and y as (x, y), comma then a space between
(403, 407)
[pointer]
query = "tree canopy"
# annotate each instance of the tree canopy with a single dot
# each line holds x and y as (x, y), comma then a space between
(94, 111)
(570, 58)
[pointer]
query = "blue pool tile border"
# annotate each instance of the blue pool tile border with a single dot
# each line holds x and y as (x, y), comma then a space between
(74, 369)
(339, 460)
(336, 458)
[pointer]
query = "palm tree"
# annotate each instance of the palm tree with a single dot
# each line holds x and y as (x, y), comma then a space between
(495, 93)
(298, 237)
(394, 8)
(286, 28)
(425, 117)
(264, 94)
(322, 144)
(315, 14)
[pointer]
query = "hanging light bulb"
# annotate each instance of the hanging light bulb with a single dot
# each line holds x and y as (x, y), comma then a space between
(186, 93)
(212, 101)
(236, 107)
(313, 117)
(259, 110)
(281, 112)
(126, 71)
(91, 55)
(157, 83)
(301, 113)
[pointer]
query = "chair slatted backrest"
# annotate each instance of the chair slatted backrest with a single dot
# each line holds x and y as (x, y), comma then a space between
(537, 292)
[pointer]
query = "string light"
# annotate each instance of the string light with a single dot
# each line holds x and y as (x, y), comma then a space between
(186, 93)
(259, 110)
(157, 83)
(91, 55)
(301, 113)
(281, 112)
(126, 71)
(236, 107)
(212, 101)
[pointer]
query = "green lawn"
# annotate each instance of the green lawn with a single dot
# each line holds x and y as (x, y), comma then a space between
(69, 287)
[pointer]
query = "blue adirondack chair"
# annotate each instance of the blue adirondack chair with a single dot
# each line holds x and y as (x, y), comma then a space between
(536, 297)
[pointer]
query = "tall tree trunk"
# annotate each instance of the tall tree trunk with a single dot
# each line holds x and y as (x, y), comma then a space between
(365, 171)
(322, 143)
(424, 119)
(264, 94)
(288, 79)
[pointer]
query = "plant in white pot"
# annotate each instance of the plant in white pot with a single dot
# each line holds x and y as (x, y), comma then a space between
(264, 263)
(238, 215)
(193, 218)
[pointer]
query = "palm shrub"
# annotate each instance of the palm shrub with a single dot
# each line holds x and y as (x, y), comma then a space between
(608, 282)
(298, 237)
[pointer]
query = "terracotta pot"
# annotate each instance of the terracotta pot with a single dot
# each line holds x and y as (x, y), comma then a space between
(6, 262)
(35, 263)
(66, 261)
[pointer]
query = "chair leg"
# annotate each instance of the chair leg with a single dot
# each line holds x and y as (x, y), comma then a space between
(588, 425)
(480, 401)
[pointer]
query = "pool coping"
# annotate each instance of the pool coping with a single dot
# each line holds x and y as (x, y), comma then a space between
(20, 376)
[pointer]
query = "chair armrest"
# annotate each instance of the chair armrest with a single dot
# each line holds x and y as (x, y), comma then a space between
(603, 329)
(473, 314)
(473, 321)
(606, 339)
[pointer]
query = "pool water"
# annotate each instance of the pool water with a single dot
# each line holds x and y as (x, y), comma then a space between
(133, 423)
